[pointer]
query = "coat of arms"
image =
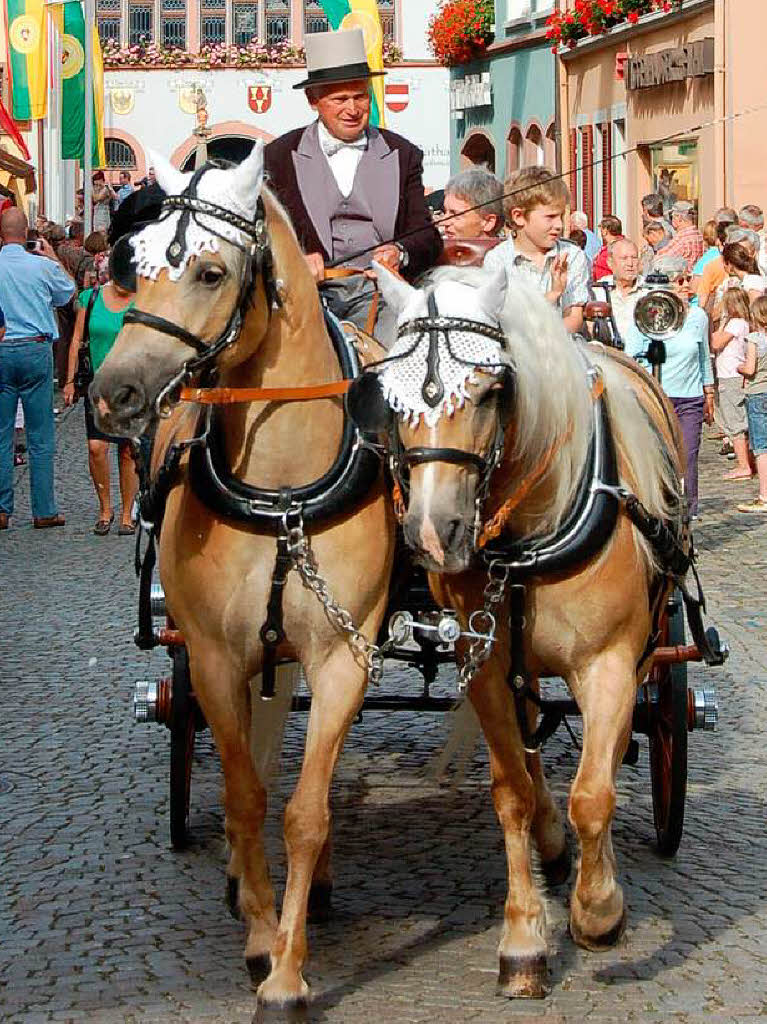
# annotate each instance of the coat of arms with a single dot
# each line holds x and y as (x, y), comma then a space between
(122, 101)
(259, 98)
(397, 96)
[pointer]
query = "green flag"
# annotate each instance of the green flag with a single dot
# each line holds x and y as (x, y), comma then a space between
(71, 22)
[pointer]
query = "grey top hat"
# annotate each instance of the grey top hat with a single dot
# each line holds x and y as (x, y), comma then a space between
(336, 57)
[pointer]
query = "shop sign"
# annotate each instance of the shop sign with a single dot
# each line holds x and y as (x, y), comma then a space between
(469, 92)
(652, 69)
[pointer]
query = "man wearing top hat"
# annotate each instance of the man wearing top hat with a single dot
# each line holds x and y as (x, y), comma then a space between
(348, 186)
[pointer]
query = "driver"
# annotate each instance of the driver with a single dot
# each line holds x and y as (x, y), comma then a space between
(348, 186)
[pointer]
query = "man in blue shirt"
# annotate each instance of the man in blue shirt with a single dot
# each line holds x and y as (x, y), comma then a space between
(32, 285)
(125, 188)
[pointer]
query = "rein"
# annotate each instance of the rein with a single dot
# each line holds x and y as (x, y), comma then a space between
(231, 396)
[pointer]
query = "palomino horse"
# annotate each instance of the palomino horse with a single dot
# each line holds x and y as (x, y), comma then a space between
(216, 573)
(507, 447)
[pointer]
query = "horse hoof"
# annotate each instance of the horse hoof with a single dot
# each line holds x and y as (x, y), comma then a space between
(258, 968)
(557, 871)
(233, 897)
(523, 977)
(320, 908)
(292, 1012)
(598, 943)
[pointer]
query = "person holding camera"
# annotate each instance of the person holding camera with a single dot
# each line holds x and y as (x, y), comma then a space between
(99, 321)
(686, 375)
(32, 286)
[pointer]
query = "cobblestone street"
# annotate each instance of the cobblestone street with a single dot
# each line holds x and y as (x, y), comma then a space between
(101, 921)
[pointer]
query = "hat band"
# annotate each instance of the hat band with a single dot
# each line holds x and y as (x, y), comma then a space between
(349, 72)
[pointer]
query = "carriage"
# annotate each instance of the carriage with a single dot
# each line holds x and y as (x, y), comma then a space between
(552, 489)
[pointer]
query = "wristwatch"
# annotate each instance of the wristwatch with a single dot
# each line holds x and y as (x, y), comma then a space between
(404, 255)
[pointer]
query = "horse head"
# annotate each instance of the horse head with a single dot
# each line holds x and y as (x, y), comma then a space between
(445, 394)
(200, 270)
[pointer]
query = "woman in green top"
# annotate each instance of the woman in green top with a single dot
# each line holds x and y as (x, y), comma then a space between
(105, 323)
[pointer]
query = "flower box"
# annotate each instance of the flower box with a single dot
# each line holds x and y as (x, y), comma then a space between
(461, 30)
(595, 17)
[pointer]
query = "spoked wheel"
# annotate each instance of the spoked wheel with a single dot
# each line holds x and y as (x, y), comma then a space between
(667, 714)
(182, 729)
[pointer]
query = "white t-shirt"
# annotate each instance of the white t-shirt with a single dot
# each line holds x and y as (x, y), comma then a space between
(754, 283)
(734, 352)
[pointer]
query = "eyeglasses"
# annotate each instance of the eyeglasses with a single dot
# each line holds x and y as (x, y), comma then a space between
(683, 279)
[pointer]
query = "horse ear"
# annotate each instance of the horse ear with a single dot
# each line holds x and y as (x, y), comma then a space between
(491, 294)
(366, 405)
(248, 177)
(171, 181)
(396, 292)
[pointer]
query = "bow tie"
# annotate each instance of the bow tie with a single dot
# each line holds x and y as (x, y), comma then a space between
(331, 146)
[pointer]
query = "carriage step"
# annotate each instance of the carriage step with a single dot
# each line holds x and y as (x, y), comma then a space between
(702, 710)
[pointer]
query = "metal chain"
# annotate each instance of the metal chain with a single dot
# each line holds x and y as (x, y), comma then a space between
(306, 567)
(483, 622)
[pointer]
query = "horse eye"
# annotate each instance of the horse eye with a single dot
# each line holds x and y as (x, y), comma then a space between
(211, 275)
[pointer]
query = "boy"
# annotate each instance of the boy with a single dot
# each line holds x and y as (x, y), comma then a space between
(535, 208)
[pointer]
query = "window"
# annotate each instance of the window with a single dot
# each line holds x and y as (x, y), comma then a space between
(550, 146)
(212, 22)
(534, 146)
(140, 27)
(119, 154)
(108, 20)
(386, 11)
(173, 22)
(244, 23)
(277, 21)
(315, 19)
(516, 9)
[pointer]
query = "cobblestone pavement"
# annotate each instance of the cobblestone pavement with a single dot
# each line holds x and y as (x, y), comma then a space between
(101, 921)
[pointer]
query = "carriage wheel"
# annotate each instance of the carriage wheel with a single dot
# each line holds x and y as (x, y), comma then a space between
(182, 729)
(668, 738)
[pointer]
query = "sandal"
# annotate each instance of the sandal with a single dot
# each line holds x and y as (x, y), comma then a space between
(101, 529)
(126, 530)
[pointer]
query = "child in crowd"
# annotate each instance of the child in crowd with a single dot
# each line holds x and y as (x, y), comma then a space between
(729, 346)
(535, 209)
(754, 369)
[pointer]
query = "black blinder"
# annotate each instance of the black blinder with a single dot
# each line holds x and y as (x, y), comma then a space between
(122, 265)
(506, 397)
(366, 405)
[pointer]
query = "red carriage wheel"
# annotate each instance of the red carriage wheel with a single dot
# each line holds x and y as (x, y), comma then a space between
(183, 716)
(666, 691)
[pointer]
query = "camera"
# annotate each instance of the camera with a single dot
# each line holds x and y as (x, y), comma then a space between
(33, 245)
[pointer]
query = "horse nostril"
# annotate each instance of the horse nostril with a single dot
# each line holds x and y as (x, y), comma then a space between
(127, 399)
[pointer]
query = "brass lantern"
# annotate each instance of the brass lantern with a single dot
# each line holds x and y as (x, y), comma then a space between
(659, 314)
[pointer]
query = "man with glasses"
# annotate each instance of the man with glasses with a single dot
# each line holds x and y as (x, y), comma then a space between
(350, 188)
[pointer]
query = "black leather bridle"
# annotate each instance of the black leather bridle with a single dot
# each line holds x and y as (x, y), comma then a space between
(259, 262)
(433, 392)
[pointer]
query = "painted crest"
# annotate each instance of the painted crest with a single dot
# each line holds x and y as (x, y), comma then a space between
(259, 98)
(122, 101)
(24, 34)
(187, 99)
(396, 96)
(72, 56)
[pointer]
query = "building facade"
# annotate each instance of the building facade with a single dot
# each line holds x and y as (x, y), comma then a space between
(669, 105)
(503, 107)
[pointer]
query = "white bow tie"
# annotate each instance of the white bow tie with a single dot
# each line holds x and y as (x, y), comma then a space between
(331, 146)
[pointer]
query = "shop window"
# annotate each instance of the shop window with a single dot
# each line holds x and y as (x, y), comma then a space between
(277, 21)
(587, 172)
(514, 146)
(119, 154)
(479, 150)
(534, 146)
(675, 172)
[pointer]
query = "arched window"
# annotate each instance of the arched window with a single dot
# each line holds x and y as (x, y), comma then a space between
(119, 154)
(550, 146)
(534, 146)
(514, 150)
(478, 150)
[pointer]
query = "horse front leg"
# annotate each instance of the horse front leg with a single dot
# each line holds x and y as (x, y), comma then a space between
(222, 691)
(522, 950)
(606, 694)
(338, 687)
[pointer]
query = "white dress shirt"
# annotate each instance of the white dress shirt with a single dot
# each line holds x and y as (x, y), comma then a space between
(343, 157)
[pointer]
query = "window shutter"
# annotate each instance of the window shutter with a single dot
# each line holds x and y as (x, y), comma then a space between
(574, 166)
(607, 168)
(587, 172)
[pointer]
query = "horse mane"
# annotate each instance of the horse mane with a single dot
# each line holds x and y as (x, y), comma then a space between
(551, 422)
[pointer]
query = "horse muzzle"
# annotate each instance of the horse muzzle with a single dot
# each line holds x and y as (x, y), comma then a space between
(120, 406)
(440, 542)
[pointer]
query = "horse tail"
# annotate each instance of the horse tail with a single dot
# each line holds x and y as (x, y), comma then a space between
(461, 743)
(267, 726)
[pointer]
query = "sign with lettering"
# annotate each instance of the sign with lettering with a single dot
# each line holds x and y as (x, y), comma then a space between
(470, 91)
(694, 60)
